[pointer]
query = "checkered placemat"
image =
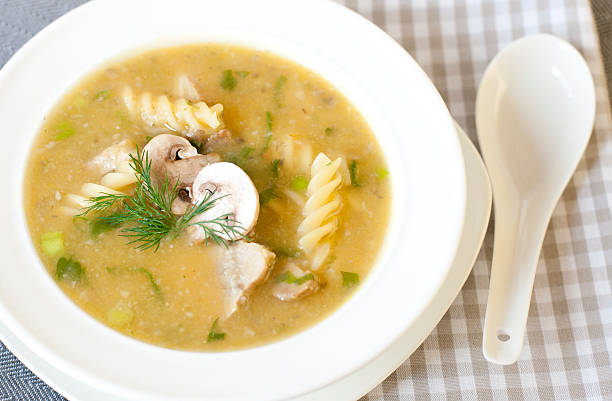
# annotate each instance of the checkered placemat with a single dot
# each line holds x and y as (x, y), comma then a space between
(568, 345)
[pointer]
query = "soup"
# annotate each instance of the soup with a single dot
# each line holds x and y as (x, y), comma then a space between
(207, 197)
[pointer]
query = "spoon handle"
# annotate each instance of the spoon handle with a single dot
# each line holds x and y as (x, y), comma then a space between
(518, 240)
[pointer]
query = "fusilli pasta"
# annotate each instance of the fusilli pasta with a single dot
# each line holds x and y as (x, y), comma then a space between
(109, 184)
(324, 202)
(161, 114)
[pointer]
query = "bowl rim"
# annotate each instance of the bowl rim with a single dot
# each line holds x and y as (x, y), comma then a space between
(453, 158)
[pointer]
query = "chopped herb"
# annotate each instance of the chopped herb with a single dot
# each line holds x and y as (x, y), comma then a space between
(198, 145)
(329, 131)
(289, 278)
(299, 183)
(120, 315)
(289, 252)
(242, 74)
(277, 90)
(101, 224)
(148, 138)
(267, 143)
(81, 223)
(331, 259)
(267, 195)
(147, 273)
(227, 80)
(244, 153)
(349, 279)
(64, 130)
(213, 334)
(70, 269)
(353, 172)
(381, 172)
(102, 95)
(275, 167)
(52, 244)
(269, 121)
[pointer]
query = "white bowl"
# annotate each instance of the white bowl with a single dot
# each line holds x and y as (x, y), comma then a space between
(395, 96)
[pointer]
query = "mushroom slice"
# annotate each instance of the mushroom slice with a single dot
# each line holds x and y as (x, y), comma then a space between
(173, 157)
(237, 201)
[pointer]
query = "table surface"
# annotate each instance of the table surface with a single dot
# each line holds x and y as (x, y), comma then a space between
(568, 344)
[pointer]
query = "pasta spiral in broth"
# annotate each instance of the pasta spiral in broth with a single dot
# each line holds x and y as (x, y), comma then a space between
(320, 210)
(161, 114)
(110, 183)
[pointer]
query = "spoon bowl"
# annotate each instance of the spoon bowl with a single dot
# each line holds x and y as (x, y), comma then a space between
(534, 116)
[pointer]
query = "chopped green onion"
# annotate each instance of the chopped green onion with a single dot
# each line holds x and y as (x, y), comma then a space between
(242, 74)
(101, 225)
(120, 315)
(299, 183)
(244, 153)
(289, 252)
(353, 172)
(70, 269)
(275, 167)
(227, 80)
(213, 334)
(102, 95)
(381, 172)
(269, 121)
(349, 279)
(289, 278)
(277, 89)
(329, 131)
(267, 195)
(52, 244)
(156, 289)
(267, 143)
(64, 130)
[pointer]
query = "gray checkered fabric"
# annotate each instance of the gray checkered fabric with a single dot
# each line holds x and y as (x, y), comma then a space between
(568, 345)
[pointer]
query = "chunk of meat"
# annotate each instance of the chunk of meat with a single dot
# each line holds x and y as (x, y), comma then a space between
(241, 266)
(294, 283)
(109, 159)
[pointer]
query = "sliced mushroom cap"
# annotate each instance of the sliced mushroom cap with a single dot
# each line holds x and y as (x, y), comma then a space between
(237, 198)
(173, 157)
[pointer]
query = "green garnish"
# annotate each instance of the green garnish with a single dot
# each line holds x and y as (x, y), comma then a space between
(267, 195)
(120, 315)
(147, 273)
(148, 211)
(70, 269)
(267, 143)
(269, 121)
(353, 172)
(275, 167)
(101, 225)
(277, 90)
(102, 95)
(329, 131)
(244, 153)
(52, 244)
(227, 80)
(299, 183)
(213, 334)
(381, 172)
(242, 74)
(149, 137)
(79, 102)
(289, 278)
(288, 252)
(64, 130)
(349, 279)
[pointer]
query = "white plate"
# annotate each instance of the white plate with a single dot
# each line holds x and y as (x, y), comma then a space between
(366, 378)
(395, 96)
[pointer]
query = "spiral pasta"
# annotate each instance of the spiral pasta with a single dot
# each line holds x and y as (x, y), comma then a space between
(323, 204)
(109, 184)
(296, 155)
(161, 114)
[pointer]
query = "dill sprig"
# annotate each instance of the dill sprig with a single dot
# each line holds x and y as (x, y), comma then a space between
(147, 213)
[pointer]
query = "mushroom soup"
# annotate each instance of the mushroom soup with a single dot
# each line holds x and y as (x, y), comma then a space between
(207, 197)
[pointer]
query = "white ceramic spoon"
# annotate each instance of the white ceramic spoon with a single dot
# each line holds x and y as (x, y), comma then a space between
(534, 115)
